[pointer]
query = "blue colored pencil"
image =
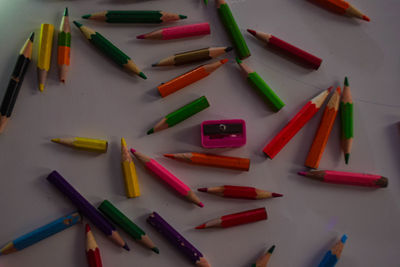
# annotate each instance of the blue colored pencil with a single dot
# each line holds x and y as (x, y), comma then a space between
(41, 233)
(332, 256)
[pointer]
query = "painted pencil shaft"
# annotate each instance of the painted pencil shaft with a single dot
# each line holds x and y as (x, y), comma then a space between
(134, 16)
(264, 259)
(342, 7)
(246, 192)
(295, 125)
(347, 119)
(167, 177)
(178, 32)
(110, 50)
(176, 239)
(15, 83)
(44, 57)
(129, 172)
(89, 144)
(41, 233)
(64, 46)
(333, 255)
(324, 130)
(92, 249)
(233, 30)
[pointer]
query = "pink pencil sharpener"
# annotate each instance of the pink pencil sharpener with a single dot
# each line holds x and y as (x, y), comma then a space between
(223, 133)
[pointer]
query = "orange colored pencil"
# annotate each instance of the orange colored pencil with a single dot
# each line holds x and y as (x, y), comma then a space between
(92, 250)
(341, 7)
(324, 130)
(241, 164)
(189, 78)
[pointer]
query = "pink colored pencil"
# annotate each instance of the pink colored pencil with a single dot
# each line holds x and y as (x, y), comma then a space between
(167, 177)
(177, 32)
(347, 178)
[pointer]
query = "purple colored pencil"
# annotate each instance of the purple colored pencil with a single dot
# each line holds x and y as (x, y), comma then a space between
(86, 208)
(177, 239)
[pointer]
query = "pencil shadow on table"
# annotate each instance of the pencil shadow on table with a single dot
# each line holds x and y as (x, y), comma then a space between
(393, 134)
(151, 95)
(114, 148)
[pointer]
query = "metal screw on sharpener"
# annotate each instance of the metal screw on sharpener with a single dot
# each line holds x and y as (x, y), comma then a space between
(222, 127)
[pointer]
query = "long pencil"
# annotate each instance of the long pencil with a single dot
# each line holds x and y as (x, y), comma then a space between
(83, 143)
(264, 259)
(246, 192)
(180, 114)
(86, 208)
(347, 118)
(295, 124)
(189, 77)
(234, 163)
(44, 57)
(110, 50)
(129, 172)
(134, 16)
(177, 32)
(192, 56)
(167, 177)
(92, 249)
(15, 83)
(41, 233)
(342, 7)
(324, 130)
(64, 46)
(333, 255)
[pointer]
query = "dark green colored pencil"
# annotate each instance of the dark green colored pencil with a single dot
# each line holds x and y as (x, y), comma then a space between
(134, 16)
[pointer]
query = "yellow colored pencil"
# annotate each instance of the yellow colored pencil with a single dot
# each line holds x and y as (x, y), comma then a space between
(89, 144)
(129, 171)
(44, 57)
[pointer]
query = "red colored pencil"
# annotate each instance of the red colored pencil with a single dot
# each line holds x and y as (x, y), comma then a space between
(246, 192)
(92, 250)
(295, 124)
(234, 219)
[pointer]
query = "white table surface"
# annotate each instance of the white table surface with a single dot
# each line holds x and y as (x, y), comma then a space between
(101, 101)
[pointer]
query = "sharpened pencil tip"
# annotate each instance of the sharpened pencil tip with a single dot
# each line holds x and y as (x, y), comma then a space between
(86, 16)
(141, 74)
(77, 24)
(302, 173)
(55, 140)
(203, 189)
(229, 48)
(66, 11)
(182, 17)
(201, 205)
(32, 36)
(126, 247)
(346, 81)
(253, 32)
(142, 36)
(87, 227)
(169, 156)
(366, 18)
(133, 150)
(238, 60)
(156, 250)
(154, 65)
(276, 195)
(271, 249)
(346, 158)
(202, 226)
(343, 239)
(150, 131)
(41, 87)
(223, 61)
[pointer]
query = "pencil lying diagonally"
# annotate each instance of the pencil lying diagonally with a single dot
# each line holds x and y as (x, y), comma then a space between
(92, 249)
(333, 255)
(246, 192)
(342, 7)
(134, 16)
(177, 32)
(264, 259)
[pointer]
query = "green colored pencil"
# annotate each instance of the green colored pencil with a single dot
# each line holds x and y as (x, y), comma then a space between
(110, 50)
(134, 16)
(206, 2)
(261, 86)
(346, 112)
(232, 28)
(126, 224)
(181, 114)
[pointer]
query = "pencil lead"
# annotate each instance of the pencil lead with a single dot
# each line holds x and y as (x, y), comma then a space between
(182, 17)
(133, 150)
(201, 205)
(41, 87)
(169, 156)
(126, 247)
(77, 24)
(32, 36)
(366, 18)
(346, 81)
(202, 226)
(343, 239)
(276, 195)
(156, 250)
(302, 173)
(238, 60)
(87, 227)
(229, 48)
(142, 36)
(141, 74)
(223, 61)
(86, 16)
(150, 131)
(203, 189)
(66, 12)
(271, 249)
(346, 158)
(55, 140)
(253, 32)
(154, 65)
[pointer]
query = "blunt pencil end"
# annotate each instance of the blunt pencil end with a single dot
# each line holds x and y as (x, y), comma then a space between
(126, 247)
(87, 227)
(229, 48)
(276, 195)
(142, 36)
(156, 250)
(346, 81)
(182, 17)
(203, 189)
(302, 173)
(133, 150)
(201, 226)
(32, 36)
(343, 239)
(366, 18)
(253, 32)
(150, 131)
(223, 61)
(77, 24)
(238, 60)
(141, 74)
(346, 158)
(169, 156)
(66, 11)
(201, 205)
(271, 249)
(86, 16)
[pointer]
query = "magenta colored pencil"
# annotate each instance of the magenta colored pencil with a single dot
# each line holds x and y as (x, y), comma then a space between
(178, 32)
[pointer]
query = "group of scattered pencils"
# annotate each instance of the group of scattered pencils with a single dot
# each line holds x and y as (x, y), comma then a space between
(107, 213)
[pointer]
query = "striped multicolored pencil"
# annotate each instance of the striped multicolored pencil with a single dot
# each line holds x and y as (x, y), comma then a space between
(235, 219)
(192, 56)
(295, 124)
(129, 172)
(167, 88)
(264, 259)
(64, 46)
(44, 57)
(333, 255)
(15, 83)
(41, 233)
(82, 143)
(246, 192)
(178, 32)
(347, 178)
(92, 249)
(347, 118)
(134, 16)
(324, 130)
(110, 50)
(342, 7)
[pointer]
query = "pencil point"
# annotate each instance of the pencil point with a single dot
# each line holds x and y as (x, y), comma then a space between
(201, 226)
(201, 205)
(133, 150)
(346, 158)
(154, 65)
(156, 250)
(55, 140)
(203, 189)
(32, 36)
(238, 60)
(302, 173)
(66, 11)
(123, 142)
(41, 87)
(142, 36)
(141, 74)
(150, 131)
(126, 247)
(86, 16)
(276, 195)
(253, 32)
(77, 24)
(223, 61)
(271, 249)
(182, 17)
(229, 48)
(346, 81)
(366, 18)
(169, 156)
(87, 227)
(330, 89)
(343, 239)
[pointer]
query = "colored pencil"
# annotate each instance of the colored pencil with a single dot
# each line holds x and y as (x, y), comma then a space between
(110, 50)
(324, 130)
(287, 49)
(167, 177)
(235, 219)
(41, 233)
(92, 249)
(134, 16)
(178, 32)
(15, 83)
(234, 163)
(189, 77)
(129, 172)
(269, 96)
(44, 57)
(246, 192)
(347, 178)
(347, 119)
(226, 16)
(86, 208)
(127, 225)
(205, 2)
(64, 46)
(176, 239)
(295, 124)
(333, 255)
(342, 7)
(192, 56)
(82, 143)
(181, 114)
(264, 259)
